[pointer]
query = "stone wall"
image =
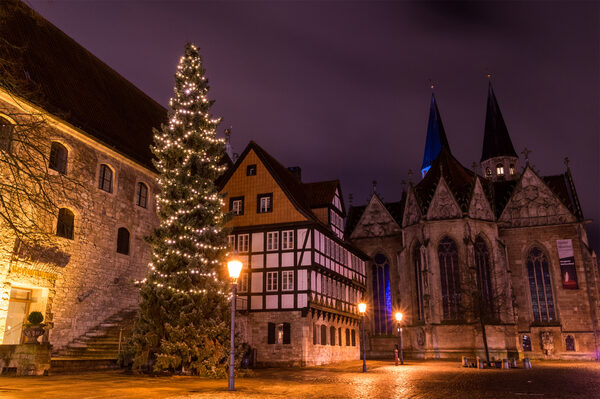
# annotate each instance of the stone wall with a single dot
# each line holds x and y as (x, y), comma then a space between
(25, 359)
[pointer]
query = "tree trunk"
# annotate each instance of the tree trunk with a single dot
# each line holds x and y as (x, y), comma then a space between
(484, 336)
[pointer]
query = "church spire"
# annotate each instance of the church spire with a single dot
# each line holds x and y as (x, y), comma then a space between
(498, 156)
(496, 140)
(436, 137)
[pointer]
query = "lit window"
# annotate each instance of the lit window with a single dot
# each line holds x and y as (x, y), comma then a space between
(500, 169)
(65, 224)
(58, 157)
(287, 239)
(231, 241)
(287, 281)
(243, 240)
(142, 195)
(6, 133)
(243, 282)
(123, 241)
(236, 205)
(265, 203)
(251, 170)
(106, 178)
(273, 241)
(271, 281)
(512, 169)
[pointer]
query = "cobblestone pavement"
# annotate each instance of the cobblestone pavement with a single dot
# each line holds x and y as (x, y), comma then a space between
(426, 380)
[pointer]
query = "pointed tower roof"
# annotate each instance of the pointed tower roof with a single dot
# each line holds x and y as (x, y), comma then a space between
(496, 141)
(436, 137)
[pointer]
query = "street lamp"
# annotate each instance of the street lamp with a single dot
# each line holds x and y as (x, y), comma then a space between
(399, 316)
(234, 267)
(362, 308)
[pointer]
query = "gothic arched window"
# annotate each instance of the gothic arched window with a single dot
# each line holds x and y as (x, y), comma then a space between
(382, 297)
(450, 278)
(542, 301)
(418, 262)
(484, 279)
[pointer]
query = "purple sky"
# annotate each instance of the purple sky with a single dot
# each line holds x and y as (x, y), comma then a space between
(341, 88)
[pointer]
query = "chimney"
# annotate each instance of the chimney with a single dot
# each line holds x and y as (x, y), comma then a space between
(296, 171)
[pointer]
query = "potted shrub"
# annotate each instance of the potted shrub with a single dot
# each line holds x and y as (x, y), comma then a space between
(34, 328)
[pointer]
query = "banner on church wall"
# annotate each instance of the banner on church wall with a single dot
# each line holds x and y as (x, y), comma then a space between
(567, 264)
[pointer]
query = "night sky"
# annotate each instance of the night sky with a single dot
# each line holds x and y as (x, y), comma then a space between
(342, 88)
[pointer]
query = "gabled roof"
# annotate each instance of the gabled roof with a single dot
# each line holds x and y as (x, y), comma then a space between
(496, 140)
(321, 194)
(395, 209)
(460, 181)
(71, 83)
(436, 135)
(562, 186)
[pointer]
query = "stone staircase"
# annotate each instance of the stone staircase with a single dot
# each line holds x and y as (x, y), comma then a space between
(97, 349)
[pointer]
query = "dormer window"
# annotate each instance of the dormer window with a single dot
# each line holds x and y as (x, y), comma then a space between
(500, 169)
(512, 169)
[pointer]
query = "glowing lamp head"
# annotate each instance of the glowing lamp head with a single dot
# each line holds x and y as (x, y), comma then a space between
(235, 268)
(362, 307)
(399, 316)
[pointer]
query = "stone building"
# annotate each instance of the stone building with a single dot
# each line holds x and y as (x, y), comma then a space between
(301, 282)
(502, 255)
(97, 131)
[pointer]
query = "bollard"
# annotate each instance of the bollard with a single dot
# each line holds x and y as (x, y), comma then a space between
(480, 363)
(513, 363)
(465, 361)
(505, 364)
(526, 363)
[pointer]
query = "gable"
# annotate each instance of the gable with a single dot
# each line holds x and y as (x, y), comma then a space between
(375, 221)
(480, 207)
(412, 213)
(239, 184)
(533, 203)
(443, 205)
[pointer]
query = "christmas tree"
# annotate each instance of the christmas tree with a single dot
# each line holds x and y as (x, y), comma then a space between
(183, 322)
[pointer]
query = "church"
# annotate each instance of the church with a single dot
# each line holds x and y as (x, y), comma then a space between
(493, 258)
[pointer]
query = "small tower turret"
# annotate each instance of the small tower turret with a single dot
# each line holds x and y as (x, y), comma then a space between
(436, 137)
(499, 160)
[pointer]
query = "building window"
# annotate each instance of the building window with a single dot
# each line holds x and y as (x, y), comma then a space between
(382, 296)
(264, 203)
(570, 343)
(315, 334)
(287, 281)
(105, 182)
(251, 170)
(66, 223)
(526, 343)
(271, 281)
(419, 281)
(279, 333)
(323, 335)
(347, 337)
(243, 282)
(450, 279)
(287, 239)
(243, 242)
(353, 337)
(273, 241)
(488, 172)
(512, 169)
(58, 158)
(123, 241)
(231, 242)
(141, 198)
(500, 169)
(340, 336)
(542, 301)
(236, 205)
(332, 336)
(6, 134)
(484, 280)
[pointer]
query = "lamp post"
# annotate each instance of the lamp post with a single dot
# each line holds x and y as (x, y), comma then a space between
(362, 308)
(399, 320)
(234, 267)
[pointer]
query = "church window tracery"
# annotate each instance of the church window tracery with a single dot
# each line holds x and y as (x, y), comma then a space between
(450, 279)
(484, 278)
(382, 297)
(540, 287)
(418, 262)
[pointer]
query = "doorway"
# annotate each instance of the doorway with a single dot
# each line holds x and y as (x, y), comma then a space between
(18, 308)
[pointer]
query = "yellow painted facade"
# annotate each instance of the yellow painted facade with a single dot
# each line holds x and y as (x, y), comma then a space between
(250, 187)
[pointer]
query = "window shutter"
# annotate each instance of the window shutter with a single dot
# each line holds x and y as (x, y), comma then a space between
(271, 334)
(287, 333)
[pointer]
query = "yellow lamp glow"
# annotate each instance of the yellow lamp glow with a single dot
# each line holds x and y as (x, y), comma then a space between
(235, 268)
(362, 307)
(399, 316)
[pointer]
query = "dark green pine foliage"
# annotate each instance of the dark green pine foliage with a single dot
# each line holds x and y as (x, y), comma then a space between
(183, 323)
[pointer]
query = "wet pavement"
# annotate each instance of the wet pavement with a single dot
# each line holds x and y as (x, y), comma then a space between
(426, 380)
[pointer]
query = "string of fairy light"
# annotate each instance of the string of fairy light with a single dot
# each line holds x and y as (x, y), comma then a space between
(190, 122)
